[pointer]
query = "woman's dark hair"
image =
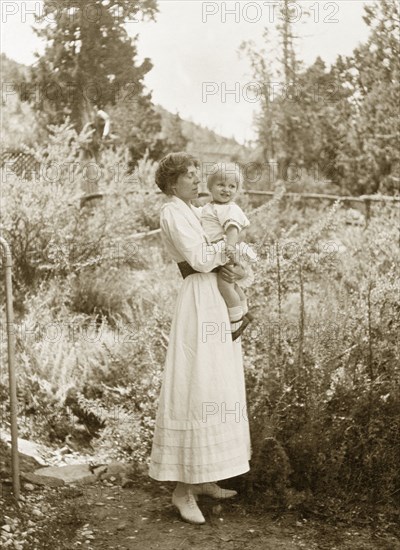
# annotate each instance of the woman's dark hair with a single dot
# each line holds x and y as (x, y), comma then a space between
(171, 167)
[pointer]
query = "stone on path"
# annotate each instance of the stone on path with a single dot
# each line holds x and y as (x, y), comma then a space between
(72, 473)
(27, 449)
(113, 469)
(84, 474)
(46, 480)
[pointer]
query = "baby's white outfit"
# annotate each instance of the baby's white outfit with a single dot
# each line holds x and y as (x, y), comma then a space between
(216, 218)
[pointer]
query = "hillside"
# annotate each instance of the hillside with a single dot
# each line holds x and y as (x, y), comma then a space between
(204, 143)
(19, 124)
(12, 71)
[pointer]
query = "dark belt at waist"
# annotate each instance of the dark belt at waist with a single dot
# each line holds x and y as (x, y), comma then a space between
(186, 269)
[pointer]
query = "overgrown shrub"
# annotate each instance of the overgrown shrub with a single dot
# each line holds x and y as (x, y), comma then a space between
(323, 372)
(50, 235)
(321, 358)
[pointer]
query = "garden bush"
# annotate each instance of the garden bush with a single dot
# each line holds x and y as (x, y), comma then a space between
(326, 385)
(94, 307)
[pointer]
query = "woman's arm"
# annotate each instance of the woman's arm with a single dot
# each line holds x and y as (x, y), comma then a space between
(189, 241)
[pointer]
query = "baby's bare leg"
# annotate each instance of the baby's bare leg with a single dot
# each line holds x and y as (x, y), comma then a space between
(229, 293)
(240, 292)
(233, 302)
(243, 299)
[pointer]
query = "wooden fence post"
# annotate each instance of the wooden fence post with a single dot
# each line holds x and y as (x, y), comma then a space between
(11, 367)
(367, 211)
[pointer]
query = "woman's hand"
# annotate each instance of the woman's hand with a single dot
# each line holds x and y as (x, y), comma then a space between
(232, 273)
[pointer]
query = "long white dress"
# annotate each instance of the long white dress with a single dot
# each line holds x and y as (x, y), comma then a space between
(202, 431)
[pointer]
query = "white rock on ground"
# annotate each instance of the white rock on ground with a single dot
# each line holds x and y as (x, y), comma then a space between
(81, 474)
(73, 473)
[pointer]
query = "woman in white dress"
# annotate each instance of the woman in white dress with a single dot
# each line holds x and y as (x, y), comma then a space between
(202, 433)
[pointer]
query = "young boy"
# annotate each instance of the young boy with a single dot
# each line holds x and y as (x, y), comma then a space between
(220, 218)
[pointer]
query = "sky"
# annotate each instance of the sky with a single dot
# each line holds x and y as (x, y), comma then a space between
(193, 45)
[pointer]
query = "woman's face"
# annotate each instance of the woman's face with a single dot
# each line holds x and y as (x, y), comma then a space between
(187, 185)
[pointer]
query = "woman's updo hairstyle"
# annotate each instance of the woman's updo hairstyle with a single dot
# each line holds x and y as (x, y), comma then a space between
(171, 167)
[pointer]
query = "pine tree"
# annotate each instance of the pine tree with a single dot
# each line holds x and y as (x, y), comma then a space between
(278, 122)
(288, 122)
(89, 58)
(369, 155)
(342, 124)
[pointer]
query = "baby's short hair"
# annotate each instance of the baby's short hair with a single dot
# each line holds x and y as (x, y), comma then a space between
(222, 170)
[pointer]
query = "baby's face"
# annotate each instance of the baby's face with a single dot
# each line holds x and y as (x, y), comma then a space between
(224, 189)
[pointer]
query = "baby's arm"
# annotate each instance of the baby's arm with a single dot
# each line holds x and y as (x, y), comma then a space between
(232, 219)
(232, 237)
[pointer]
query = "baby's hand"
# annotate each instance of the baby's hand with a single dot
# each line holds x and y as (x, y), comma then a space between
(231, 257)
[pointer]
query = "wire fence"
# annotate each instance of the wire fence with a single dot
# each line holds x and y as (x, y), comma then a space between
(366, 200)
(23, 164)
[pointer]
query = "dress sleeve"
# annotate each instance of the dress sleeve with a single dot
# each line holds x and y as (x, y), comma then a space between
(191, 243)
(232, 214)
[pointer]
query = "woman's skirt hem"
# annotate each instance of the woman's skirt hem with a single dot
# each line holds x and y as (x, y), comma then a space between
(160, 473)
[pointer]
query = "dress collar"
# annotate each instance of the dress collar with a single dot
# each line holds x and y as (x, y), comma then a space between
(184, 206)
(191, 213)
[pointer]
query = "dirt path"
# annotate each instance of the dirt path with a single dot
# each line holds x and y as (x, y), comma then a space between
(142, 517)
(105, 516)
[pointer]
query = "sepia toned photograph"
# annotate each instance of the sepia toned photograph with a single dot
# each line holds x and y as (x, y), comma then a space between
(200, 275)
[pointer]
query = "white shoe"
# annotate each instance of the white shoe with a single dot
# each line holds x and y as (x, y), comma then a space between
(188, 508)
(213, 490)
